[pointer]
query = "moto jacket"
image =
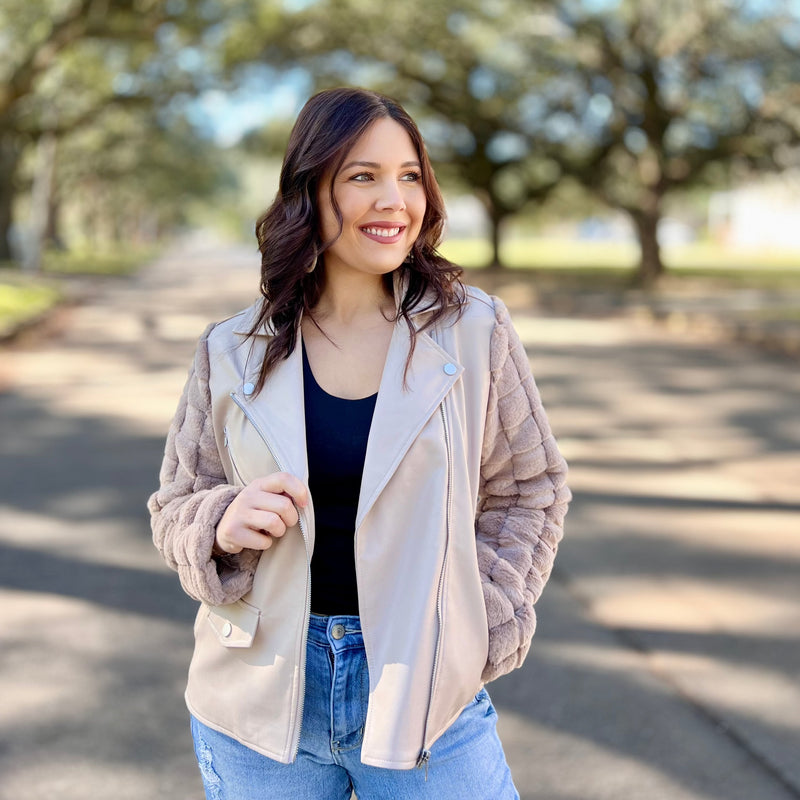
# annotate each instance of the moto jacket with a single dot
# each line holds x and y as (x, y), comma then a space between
(460, 513)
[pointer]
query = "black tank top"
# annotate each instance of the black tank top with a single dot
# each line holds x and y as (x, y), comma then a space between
(336, 442)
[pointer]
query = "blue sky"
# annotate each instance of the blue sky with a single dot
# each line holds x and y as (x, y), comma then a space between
(227, 116)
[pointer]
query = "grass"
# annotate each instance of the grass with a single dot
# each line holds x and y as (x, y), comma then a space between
(754, 295)
(553, 254)
(87, 262)
(25, 297)
(614, 263)
(21, 301)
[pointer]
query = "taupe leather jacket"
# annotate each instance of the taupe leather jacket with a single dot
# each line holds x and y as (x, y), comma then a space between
(461, 509)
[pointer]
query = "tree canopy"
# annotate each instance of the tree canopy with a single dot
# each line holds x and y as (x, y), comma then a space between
(634, 99)
(66, 68)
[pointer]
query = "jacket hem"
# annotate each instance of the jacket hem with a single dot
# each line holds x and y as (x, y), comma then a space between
(280, 757)
(412, 763)
(384, 764)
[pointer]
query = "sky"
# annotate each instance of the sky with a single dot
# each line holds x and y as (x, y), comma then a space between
(228, 116)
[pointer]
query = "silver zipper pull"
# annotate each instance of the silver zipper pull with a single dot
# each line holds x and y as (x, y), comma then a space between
(423, 761)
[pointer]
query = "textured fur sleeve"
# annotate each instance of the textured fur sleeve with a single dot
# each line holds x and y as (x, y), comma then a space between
(523, 501)
(193, 496)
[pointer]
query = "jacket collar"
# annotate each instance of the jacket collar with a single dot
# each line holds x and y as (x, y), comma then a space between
(406, 401)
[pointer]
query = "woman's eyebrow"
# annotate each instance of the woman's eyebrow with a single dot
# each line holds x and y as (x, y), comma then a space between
(376, 165)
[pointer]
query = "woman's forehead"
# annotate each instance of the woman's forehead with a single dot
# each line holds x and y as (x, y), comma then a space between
(385, 140)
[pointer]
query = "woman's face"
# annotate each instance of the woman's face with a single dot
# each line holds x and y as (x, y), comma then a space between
(382, 201)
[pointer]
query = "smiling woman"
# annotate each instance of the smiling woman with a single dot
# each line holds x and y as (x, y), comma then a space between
(355, 161)
(361, 488)
(376, 199)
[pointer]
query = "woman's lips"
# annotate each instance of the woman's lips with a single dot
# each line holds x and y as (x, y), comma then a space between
(384, 234)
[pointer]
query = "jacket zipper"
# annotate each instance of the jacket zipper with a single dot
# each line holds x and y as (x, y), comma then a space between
(232, 459)
(425, 754)
(302, 697)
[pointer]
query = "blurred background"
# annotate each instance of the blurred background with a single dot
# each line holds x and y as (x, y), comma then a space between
(626, 175)
(645, 137)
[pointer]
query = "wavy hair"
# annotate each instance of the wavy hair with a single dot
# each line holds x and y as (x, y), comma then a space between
(289, 236)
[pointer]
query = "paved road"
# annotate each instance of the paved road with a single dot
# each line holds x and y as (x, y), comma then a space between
(666, 663)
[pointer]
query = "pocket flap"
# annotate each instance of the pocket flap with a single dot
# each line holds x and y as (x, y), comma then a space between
(235, 624)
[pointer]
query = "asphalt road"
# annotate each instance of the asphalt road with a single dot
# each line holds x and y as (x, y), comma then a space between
(667, 661)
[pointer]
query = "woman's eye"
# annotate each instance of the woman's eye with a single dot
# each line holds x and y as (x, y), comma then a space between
(367, 177)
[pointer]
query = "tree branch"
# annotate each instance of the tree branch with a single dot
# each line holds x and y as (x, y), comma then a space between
(42, 54)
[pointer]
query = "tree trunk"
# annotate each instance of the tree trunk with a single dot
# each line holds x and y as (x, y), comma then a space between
(651, 267)
(6, 200)
(495, 224)
(9, 159)
(40, 198)
(495, 217)
(52, 234)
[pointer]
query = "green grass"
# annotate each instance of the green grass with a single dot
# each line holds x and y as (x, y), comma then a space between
(22, 301)
(615, 262)
(24, 296)
(86, 262)
(552, 254)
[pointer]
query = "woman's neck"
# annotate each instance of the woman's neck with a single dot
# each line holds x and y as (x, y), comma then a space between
(350, 297)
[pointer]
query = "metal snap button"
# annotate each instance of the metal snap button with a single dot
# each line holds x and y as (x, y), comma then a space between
(249, 388)
(337, 631)
(450, 369)
(227, 629)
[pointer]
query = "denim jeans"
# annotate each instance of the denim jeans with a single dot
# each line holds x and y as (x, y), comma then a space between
(466, 763)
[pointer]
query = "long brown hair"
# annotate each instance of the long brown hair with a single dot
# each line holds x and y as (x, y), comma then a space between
(288, 233)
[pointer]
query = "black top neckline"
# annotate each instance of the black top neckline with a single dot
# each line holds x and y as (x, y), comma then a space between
(337, 434)
(310, 374)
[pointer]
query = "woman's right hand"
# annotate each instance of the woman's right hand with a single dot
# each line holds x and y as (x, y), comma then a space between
(264, 509)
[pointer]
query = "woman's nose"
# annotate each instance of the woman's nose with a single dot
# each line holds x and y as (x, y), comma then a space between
(391, 197)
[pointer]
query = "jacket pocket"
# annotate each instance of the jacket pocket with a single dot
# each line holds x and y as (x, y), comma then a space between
(235, 624)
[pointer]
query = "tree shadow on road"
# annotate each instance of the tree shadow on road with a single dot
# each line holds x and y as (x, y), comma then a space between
(76, 468)
(589, 703)
(669, 389)
(124, 589)
(583, 705)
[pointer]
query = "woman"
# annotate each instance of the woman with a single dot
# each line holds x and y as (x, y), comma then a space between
(361, 488)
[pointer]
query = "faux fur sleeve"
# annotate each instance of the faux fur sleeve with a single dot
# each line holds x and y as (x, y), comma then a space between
(523, 501)
(193, 496)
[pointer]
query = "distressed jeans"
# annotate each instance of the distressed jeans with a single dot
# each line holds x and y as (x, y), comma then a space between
(466, 763)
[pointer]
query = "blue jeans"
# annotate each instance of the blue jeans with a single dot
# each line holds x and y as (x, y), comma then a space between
(467, 761)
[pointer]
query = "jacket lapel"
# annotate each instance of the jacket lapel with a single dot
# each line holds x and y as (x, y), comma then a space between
(401, 411)
(278, 412)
